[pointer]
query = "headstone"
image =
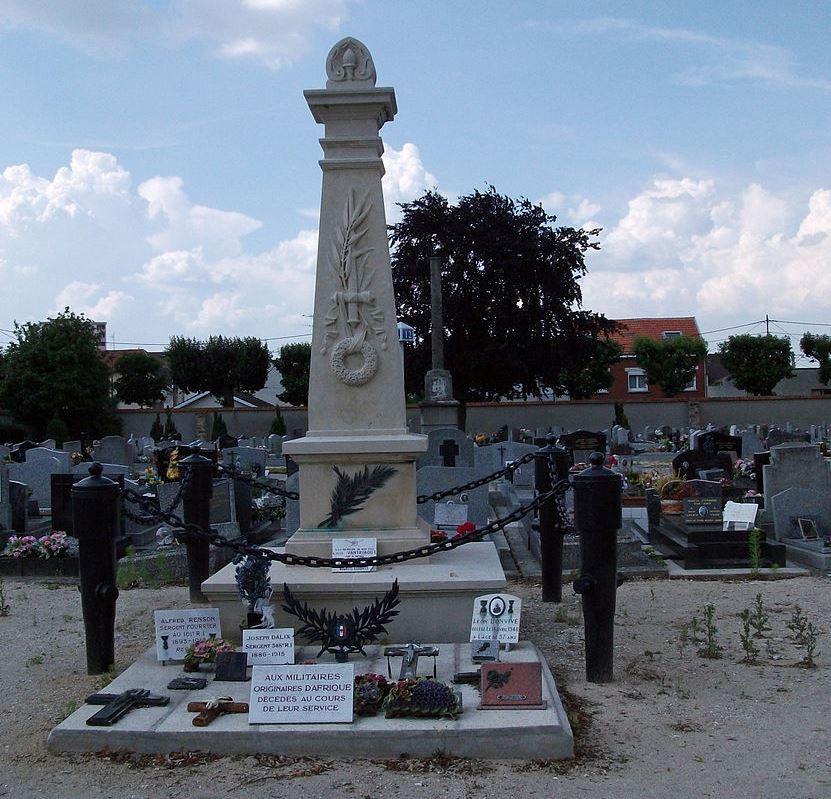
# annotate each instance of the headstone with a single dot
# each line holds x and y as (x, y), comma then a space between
(431, 479)
(447, 446)
(713, 442)
(799, 466)
(225, 441)
(19, 496)
(37, 474)
(43, 455)
(72, 446)
(5, 500)
(788, 506)
(687, 463)
(275, 444)
(115, 449)
(247, 459)
(49, 443)
(18, 451)
(776, 437)
(582, 443)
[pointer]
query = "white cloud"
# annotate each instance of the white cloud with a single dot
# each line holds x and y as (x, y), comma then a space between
(687, 247)
(274, 32)
(405, 178)
(80, 298)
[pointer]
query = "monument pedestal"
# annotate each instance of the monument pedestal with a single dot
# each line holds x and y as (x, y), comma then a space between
(436, 597)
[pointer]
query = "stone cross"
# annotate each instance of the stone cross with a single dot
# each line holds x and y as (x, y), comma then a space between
(449, 450)
(214, 708)
(409, 655)
(118, 705)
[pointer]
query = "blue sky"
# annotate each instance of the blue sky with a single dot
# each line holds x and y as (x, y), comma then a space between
(158, 163)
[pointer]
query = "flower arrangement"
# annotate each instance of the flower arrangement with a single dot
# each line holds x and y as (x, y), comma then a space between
(253, 582)
(205, 651)
(173, 473)
(151, 477)
(437, 536)
(745, 469)
(369, 692)
(423, 697)
(54, 545)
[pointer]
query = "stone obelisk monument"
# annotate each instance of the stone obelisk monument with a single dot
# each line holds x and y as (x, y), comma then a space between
(357, 461)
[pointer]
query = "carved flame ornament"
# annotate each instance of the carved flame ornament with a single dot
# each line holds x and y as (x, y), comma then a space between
(350, 62)
(353, 313)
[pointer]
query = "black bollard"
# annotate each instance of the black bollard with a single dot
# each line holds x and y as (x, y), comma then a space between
(597, 518)
(196, 502)
(96, 522)
(552, 528)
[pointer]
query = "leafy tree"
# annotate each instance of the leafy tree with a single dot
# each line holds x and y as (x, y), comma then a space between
(170, 431)
(757, 363)
(818, 348)
(57, 429)
(293, 365)
(620, 416)
(583, 380)
(669, 362)
(54, 368)
(140, 380)
(220, 365)
(512, 318)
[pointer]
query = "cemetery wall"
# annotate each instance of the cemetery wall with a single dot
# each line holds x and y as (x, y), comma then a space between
(487, 417)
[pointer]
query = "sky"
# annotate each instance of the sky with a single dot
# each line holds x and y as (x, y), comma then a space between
(159, 164)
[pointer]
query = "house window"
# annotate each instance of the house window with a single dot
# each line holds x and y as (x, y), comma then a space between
(636, 379)
(670, 333)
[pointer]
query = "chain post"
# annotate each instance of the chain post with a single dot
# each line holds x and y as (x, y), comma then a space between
(196, 504)
(597, 517)
(548, 462)
(96, 523)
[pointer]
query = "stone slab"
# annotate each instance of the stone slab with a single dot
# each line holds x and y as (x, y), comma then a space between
(492, 734)
(676, 571)
(436, 597)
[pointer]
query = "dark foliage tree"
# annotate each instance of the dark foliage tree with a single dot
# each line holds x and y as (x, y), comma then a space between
(218, 426)
(293, 365)
(278, 424)
(757, 363)
(140, 379)
(513, 324)
(54, 369)
(220, 365)
(171, 433)
(669, 362)
(583, 380)
(157, 429)
(818, 348)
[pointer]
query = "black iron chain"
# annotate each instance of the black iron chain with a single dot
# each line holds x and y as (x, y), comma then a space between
(244, 549)
(257, 482)
(452, 492)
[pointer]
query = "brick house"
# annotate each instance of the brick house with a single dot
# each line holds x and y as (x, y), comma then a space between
(629, 378)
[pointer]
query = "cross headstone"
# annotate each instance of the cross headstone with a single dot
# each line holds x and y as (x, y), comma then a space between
(449, 449)
(118, 705)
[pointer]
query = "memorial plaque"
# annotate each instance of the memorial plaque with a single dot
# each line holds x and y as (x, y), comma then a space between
(449, 515)
(231, 667)
(304, 694)
(739, 516)
(506, 686)
(176, 630)
(702, 510)
(354, 548)
(269, 647)
(496, 616)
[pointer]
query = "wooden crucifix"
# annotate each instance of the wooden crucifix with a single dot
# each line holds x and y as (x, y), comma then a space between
(118, 705)
(213, 708)
(409, 655)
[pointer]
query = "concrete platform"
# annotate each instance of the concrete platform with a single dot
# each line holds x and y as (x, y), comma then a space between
(436, 597)
(676, 571)
(490, 734)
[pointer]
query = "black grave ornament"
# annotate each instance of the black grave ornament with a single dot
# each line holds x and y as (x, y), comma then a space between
(343, 634)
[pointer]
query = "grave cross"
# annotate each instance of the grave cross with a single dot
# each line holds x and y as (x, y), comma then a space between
(213, 708)
(409, 655)
(118, 705)
(449, 450)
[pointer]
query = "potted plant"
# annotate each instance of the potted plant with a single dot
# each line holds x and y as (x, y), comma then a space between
(205, 651)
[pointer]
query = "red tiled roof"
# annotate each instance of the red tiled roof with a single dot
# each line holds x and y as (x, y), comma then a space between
(653, 328)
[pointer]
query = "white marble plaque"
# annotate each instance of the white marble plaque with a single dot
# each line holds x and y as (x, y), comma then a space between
(354, 548)
(449, 514)
(496, 616)
(269, 647)
(305, 694)
(176, 630)
(739, 515)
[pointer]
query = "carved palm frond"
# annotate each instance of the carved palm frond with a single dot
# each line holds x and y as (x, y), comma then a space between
(351, 491)
(369, 622)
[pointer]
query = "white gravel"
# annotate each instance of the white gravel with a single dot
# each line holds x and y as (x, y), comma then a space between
(672, 724)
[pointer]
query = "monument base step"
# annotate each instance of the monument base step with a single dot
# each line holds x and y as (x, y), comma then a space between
(492, 734)
(436, 597)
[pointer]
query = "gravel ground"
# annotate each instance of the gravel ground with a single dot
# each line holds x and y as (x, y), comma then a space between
(673, 724)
